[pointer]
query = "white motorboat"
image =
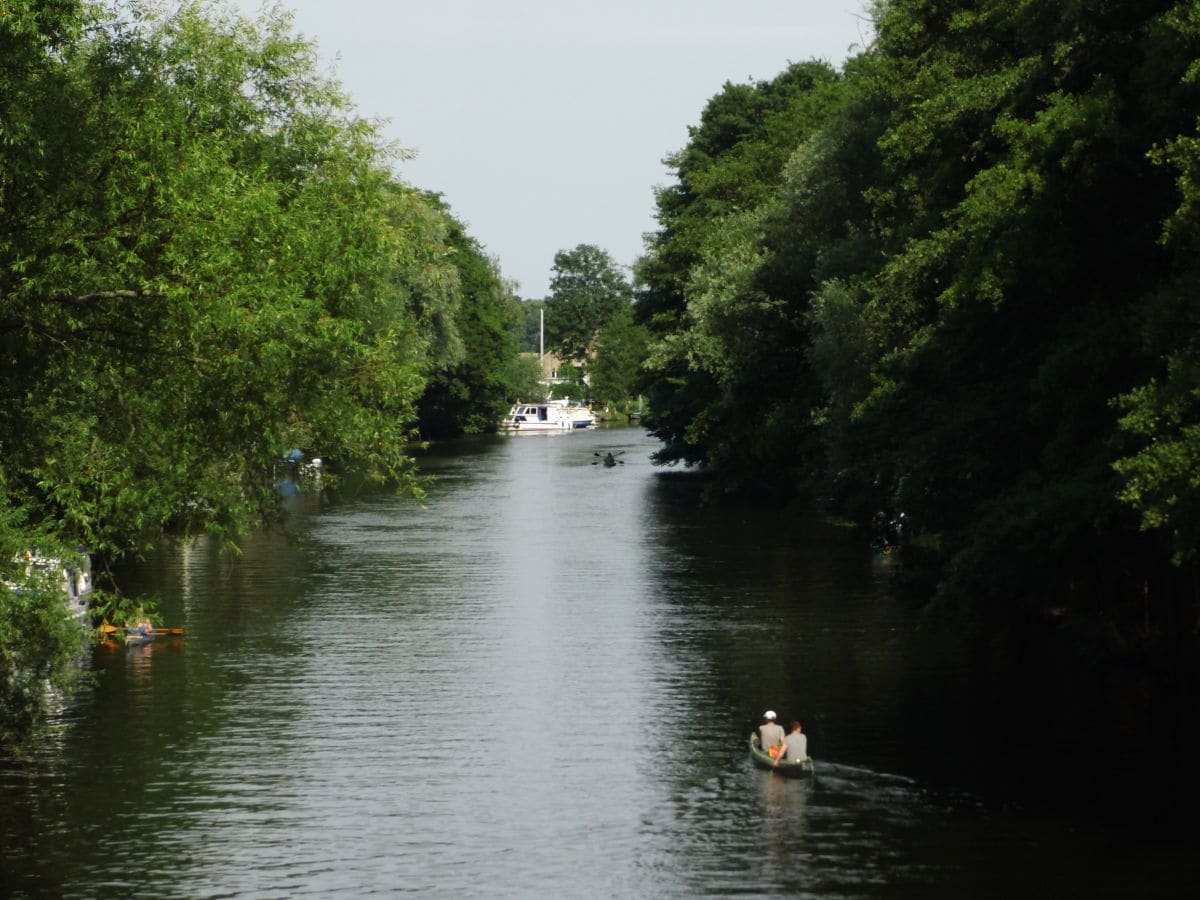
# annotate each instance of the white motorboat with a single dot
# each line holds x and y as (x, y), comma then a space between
(581, 416)
(552, 415)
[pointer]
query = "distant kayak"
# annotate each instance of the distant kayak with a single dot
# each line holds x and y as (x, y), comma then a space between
(141, 633)
(790, 768)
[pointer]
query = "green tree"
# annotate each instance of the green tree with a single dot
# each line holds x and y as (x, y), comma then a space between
(531, 326)
(205, 260)
(1162, 413)
(470, 394)
(727, 374)
(620, 352)
(586, 290)
(38, 640)
(212, 264)
(1003, 314)
(524, 375)
(909, 278)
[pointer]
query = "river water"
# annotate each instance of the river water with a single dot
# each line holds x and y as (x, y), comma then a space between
(537, 683)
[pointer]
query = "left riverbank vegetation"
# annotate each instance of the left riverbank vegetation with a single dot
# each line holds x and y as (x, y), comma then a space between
(950, 287)
(206, 260)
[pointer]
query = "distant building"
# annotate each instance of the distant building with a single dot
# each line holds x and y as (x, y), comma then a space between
(551, 367)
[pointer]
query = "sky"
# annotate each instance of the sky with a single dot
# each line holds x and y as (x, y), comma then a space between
(544, 123)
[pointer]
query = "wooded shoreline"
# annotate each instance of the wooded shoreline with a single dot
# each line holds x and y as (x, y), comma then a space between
(949, 286)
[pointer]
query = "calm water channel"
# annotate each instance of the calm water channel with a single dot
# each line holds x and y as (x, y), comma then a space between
(537, 684)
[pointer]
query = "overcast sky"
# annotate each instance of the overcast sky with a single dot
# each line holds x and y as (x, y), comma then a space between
(544, 123)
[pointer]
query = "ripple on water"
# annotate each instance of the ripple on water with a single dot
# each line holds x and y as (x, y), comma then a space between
(538, 683)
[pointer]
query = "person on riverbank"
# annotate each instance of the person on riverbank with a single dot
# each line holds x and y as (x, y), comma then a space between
(795, 743)
(770, 735)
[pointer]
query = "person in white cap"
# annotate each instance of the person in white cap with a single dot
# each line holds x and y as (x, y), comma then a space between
(770, 734)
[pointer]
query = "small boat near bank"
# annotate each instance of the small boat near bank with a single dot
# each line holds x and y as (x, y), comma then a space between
(788, 768)
(134, 634)
(550, 416)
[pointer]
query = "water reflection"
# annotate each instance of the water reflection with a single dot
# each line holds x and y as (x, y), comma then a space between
(538, 683)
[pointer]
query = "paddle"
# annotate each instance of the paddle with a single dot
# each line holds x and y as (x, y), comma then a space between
(610, 459)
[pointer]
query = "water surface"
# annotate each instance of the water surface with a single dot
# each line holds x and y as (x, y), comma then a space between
(537, 683)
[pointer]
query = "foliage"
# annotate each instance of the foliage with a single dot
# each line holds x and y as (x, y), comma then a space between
(1002, 314)
(586, 290)
(725, 376)
(113, 607)
(570, 384)
(470, 392)
(955, 280)
(210, 264)
(621, 349)
(524, 375)
(206, 260)
(1162, 471)
(531, 328)
(39, 640)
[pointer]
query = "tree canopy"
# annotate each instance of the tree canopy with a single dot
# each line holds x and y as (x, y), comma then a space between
(206, 259)
(586, 290)
(469, 390)
(954, 281)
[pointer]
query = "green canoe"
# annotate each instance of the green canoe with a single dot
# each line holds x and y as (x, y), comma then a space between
(791, 769)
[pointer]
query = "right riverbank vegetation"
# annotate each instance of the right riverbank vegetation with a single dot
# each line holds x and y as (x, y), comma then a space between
(954, 284)
(953, 289)
(947, 290)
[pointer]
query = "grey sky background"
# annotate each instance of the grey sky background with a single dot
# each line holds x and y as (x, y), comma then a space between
(544, 124)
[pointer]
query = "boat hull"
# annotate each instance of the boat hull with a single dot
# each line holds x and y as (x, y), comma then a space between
(802, 769)
(552, 415)
(534, 427)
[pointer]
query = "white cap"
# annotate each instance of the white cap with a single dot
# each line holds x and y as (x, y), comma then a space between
(769, 714)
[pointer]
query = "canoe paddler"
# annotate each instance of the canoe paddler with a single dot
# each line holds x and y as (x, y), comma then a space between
(142, 628)
(770, 735)
(796, 743)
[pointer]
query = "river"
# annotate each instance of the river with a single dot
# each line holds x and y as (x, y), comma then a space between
(538, 683)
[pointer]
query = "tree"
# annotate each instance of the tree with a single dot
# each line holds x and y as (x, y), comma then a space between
(38, 640)
(531, 329)
(524, 376)
(909, 279)
(620, 351)
(213, 265)
(727, 373)
(1162, 412)
(205, 261)
(470, 394)
(585, 292)
(1006, 297)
